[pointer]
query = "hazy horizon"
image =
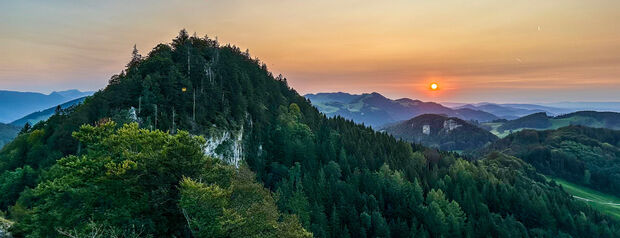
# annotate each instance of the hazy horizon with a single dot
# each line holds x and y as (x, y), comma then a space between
(387, 96)
(485, 51)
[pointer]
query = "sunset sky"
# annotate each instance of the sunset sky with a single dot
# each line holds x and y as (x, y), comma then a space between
(495, 50)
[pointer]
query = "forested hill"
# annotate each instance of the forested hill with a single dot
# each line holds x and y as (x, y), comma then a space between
(330, 176)
(610, 120)
(583, 155)
(445, 133)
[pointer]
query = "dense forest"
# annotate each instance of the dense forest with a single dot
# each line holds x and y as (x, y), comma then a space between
(538, 120)
(583, 155)
(125, 164)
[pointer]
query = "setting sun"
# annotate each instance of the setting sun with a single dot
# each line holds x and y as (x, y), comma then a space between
(434, 86)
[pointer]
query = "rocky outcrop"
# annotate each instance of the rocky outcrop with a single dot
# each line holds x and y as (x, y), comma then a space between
(426, 129)
(450, 124)
(226, 146)
(4, 228)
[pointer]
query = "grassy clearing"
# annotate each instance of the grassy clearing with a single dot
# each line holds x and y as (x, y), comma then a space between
(605, 203)
(494, 126)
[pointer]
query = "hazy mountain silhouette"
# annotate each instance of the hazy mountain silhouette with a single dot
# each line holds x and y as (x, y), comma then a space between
(375, 110)
(43, 115)
(14, 104)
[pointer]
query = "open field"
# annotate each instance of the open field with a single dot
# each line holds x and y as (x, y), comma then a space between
(605, 203)
(494, 126)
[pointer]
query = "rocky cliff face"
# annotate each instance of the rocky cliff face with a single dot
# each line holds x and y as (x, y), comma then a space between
(227, 146)
(4, 228)
(450, 124)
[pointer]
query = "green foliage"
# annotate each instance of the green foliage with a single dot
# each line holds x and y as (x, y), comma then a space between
(603, 202)
(331, 176)
(129, 178)
(582, 155)
(244, 209)
(537, 120)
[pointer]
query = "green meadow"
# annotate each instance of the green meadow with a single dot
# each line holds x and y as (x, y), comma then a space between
(605, 203)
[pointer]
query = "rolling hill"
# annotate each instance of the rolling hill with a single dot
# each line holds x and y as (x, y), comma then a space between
(446, 133)
(208, 143)
(375, 110)
(541, 121)
(14, 105)
(514, 111)
(35, 117)
(582, 155)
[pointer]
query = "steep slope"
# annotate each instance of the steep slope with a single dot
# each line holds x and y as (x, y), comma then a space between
(375, 110)
(446, 133)
(14, 105)
(586, 156)
(336, 177)
(7, 133)
(35, 117)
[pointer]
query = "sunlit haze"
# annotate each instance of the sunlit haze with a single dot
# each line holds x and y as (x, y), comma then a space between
(495, 50)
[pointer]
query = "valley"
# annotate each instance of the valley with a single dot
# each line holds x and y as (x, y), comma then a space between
(199, 139)
(303, 119)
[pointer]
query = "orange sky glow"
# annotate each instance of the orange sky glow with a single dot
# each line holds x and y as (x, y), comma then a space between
(487, 50)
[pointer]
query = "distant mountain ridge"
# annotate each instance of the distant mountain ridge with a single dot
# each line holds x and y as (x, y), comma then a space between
(35, 117)
(14, 105)
(587, 106)
(514, 110)
(446, 133)
(375, 110)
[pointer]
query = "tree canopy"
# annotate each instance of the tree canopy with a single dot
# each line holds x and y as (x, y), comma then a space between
(147, 175)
